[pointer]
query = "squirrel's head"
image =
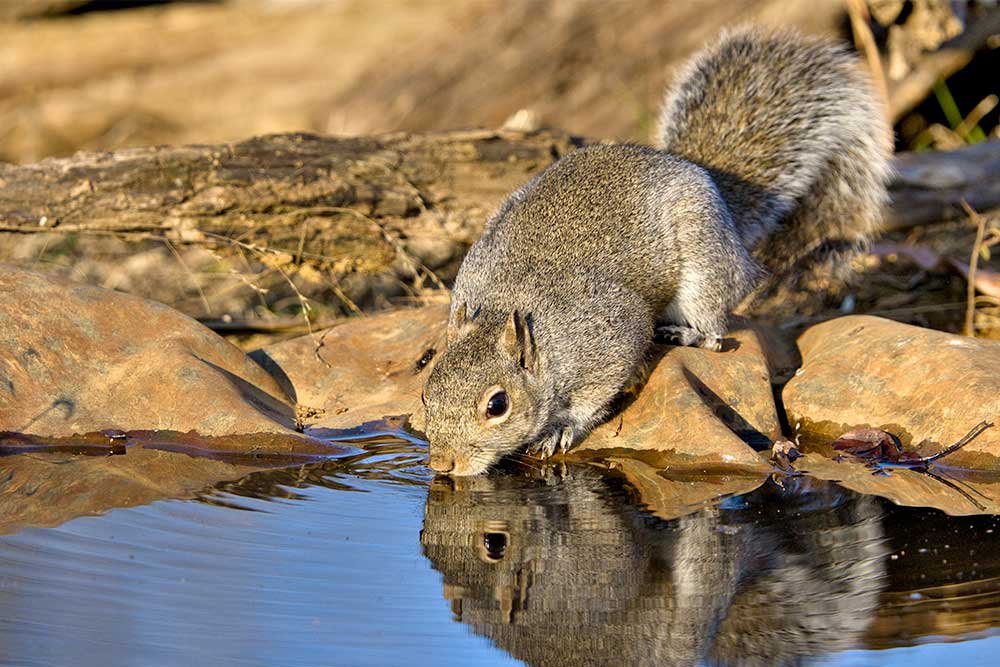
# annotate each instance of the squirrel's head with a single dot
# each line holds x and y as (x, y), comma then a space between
(483, 399)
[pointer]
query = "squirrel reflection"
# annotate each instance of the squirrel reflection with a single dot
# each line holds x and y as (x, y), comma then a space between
(570, 572)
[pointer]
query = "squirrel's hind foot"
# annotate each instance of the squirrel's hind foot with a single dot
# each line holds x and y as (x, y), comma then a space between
(675, 334)
(560, 440)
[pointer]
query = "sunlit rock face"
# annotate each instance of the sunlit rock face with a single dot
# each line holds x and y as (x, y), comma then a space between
(75, 359)
(78, 360)
(921, 385)
(571, 570)
(698, 407)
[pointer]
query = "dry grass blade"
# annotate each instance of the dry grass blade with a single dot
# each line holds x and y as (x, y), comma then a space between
(190, 274)
(970, 311)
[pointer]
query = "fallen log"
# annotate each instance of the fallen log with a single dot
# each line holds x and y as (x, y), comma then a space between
(341, 201)
(380, 205)
(442, 184)
(930, 186)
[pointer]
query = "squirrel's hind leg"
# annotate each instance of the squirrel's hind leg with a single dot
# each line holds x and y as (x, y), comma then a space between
(676, 334)
(709, 289)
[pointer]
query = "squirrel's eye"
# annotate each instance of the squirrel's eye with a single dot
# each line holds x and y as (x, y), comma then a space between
(495, 545)
(497, 405)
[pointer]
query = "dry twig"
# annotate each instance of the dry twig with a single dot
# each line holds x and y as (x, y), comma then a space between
(865, 41)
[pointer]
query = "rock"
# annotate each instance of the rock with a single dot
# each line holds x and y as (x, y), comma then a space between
(697, 408)
(954, 492)
(76, 359)
(926, 387)
(49, 488)
(669, 497)
(363, 370)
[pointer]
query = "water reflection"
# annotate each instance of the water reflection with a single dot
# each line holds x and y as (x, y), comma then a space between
(321, 564)
(570, 570)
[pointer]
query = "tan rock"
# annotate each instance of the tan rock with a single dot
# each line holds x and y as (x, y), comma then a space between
(368, 368)
(76, 359)
(668, 496)
(49, 488)
(697, 408)
(954, 492)
(927, 387)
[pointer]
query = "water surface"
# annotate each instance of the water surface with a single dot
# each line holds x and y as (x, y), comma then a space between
(369, 560)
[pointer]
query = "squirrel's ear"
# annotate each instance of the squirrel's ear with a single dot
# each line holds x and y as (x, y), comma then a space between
(459, 322)
(518, 340)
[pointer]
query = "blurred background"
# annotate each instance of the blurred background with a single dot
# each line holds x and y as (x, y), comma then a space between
(102, 75)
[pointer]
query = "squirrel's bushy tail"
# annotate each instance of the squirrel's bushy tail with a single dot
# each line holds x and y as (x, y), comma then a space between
(795, 137)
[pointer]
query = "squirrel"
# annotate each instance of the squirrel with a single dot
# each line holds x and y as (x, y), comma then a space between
(773, 150)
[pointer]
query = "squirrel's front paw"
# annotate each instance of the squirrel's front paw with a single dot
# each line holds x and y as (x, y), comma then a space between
(561, 440)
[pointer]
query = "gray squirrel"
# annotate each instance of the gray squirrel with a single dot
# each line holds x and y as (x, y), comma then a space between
(774, 150)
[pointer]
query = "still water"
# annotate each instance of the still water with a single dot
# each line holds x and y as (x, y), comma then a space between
(368, 560)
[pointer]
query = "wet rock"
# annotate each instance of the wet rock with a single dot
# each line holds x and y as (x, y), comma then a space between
(49, 488)
(667, 496)
(697, 407)
(926, 387)
(954, 492)
(76, 359)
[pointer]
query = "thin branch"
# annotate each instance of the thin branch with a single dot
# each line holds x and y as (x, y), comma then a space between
(966, 439)
(865, 41)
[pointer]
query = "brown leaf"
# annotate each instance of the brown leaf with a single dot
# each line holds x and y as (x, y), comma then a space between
(869, 443)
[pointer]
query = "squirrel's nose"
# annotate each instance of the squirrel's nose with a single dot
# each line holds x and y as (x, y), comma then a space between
(442, 463)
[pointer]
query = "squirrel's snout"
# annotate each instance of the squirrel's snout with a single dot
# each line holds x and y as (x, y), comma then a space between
(455, 464)
(442, 463)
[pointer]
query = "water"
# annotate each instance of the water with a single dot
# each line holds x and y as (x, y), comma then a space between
(367, 560)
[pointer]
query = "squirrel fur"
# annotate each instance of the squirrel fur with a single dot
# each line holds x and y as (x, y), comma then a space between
(774, 150)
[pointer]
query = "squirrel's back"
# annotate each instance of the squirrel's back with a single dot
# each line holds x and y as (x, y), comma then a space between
(795, 137)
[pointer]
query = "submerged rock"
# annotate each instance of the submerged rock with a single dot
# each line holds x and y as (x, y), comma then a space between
(926, 387)
(76, 359)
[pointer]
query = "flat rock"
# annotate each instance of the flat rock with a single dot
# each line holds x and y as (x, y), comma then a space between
(49, 488)
(927, 387)
(697, 408)
(76, 359)
(954, 492)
